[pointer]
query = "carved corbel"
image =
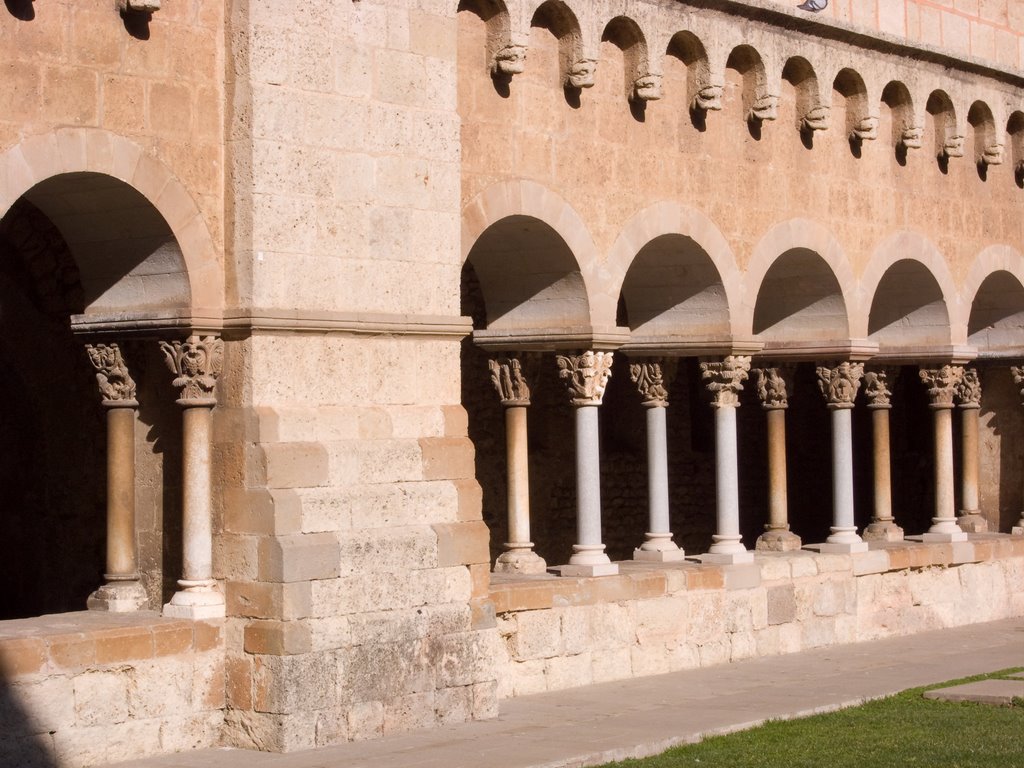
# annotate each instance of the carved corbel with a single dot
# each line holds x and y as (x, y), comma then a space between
(912, 137)
(647, 88)
(585, 375)
(509, 61)
(138, 6)
(953, 146)
(866, 129)
(993, 154)
(816, 119)
(581, 74)
(709, 98)
(764, 108)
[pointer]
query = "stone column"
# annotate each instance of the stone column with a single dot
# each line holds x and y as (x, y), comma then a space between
(658, 545)
(725, 381)
(518, 557)
(196, 364)
(882, 527)
(968, 397)
(942, 383)
(771, 390)
(1017, 372)
(586, 376)
(839, 385)
(123, 591)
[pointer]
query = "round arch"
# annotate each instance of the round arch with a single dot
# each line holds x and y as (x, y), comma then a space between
(994, 294)
(99, 153)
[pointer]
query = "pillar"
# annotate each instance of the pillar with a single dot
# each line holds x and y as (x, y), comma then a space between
(724, 381)
(658, 545)
(122, 591)
(839, 386)
(876, 390)
(196, 364)
(1018, 379)
(771, 390)
(942, 383)
(968, 398)
(586, 376)
(514, 392)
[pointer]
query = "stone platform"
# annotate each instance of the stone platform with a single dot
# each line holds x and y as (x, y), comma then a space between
(998, 692)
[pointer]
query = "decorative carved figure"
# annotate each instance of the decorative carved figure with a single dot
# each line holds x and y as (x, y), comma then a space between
(771, 388)
(581, 74)
(992, 155)
(586, 375)
(115, 383)
(647, 88)
(968, 389)
(510, 60)
(942, 384)
(866, 129)
(911, 137)
(1017, 371)
(876, 389)
(953, 146)
(196, 363)
(709, 98)
(839, 385)
(507, 376)
(764, 108)
(139, 6)
(816, 119)
(649, 381)
(725, 380)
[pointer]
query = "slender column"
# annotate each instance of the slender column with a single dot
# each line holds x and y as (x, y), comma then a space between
(518, 557)
(196, 364)
(725, 381)
(942, 383)
(968, 396)
(123, 591)
(771, 390)
(1018, 379)
(586, 376)
(839, 386)
(882, 527)
(658, 545)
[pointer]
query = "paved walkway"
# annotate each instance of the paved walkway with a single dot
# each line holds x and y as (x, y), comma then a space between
(634, 718)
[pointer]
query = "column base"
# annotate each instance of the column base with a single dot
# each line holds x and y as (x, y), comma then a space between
(588, 554)
(118, 597)
(943, 537)
(597, 569)
(777, 540)
(659, 555)
(883, 530)
(971, 521)
(839, 547)
(1018, 529)
(520, 560)
(196, 603)
(729, 558)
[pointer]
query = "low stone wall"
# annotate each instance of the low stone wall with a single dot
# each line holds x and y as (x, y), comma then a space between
(91, 688)
(561, 633)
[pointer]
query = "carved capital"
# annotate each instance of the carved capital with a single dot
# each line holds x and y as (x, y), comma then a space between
(1017, 372)
(866, 129)
(581, 73)
(876, 389)
(509, 61)
(647, 88)
(942, 384)
(196, 363)
(650, 382)
(508, 380)
(968, 389)
(771, 388)
(764, 108)
(115, 383)
(839, 385)
(816, 119)
(724, 380)
(585, 375)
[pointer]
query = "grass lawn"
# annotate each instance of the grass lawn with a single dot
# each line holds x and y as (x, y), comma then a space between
(905, 729)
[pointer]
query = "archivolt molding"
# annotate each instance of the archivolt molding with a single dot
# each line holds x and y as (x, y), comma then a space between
(527, 198)
(901, 246)
(787, 236)
(994, 258)
(671, 218)
(80, 150)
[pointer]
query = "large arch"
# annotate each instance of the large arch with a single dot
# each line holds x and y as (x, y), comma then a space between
(995, 289)
(698, 282)
(90, 154)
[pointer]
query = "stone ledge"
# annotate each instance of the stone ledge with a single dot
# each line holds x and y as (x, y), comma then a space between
(638, 580)
(69, 642)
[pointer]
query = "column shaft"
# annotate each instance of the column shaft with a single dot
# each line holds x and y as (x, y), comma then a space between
(658, 545)
(121, 551)
(197, 525)
(944, 525)
(518, 556)
(844, 529)
(778, 498)
(589, 548)
(882, 527)
(727, 490)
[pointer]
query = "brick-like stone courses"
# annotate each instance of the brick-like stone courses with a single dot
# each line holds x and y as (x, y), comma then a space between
(561, 633)
(91, 688)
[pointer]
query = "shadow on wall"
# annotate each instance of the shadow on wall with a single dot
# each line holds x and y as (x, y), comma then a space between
(1001, 418)
(23, 742)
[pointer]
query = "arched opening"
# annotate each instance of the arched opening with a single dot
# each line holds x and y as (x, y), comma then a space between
(897, 120)
(984, 149)
(908, 308)
(802, 95)
(522, 281)
(997, 315)
(85, 245)
(746, 87)
(800, 299)
(941, 132)
(625, 35)
(557, 18)
(850, 110)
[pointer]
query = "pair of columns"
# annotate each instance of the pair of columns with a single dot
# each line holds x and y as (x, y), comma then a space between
(196, 363)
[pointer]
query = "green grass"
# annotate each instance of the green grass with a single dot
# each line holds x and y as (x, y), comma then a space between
(905, 729)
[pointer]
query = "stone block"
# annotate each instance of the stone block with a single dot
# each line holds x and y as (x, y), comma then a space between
(366, 720)
(538, 635)
(278, 638)
(875, 561)
(803, 564)
(101, 697)
(563, 672)
(22, 656)
(447, 458)
(781, 604)
(453, 705)
(773, 567)
(123, 644)
(262, 600)
(291, 684)
(159, 688)
(77, 651)
(294, 465)
(746, 576)
(169, 640)
(462, 543)
(409, 712)
(613, 664)
(301, 557)
(46, 705)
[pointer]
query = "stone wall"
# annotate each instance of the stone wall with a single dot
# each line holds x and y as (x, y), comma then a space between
(563, 633)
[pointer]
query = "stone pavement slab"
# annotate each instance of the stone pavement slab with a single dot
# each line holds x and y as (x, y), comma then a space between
(640, 717)
(1000, 692)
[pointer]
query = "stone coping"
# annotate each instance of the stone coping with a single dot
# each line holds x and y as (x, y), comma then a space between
(640, 580)
(994, 691)
(66, 643)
